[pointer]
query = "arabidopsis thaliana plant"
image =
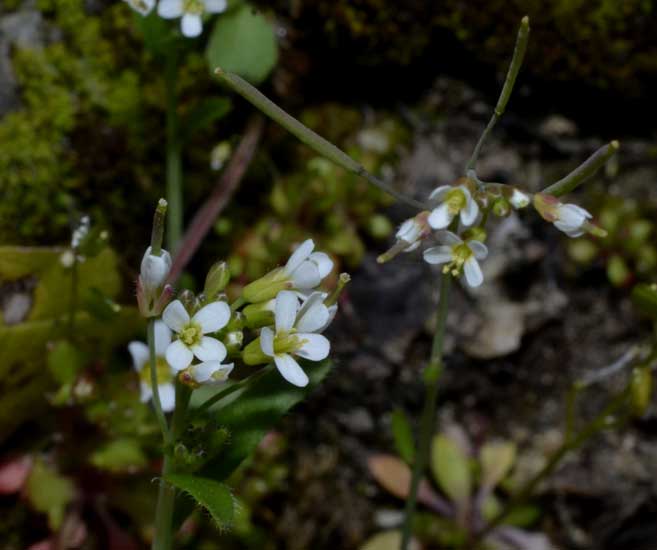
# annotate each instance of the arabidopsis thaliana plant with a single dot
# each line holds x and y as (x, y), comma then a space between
(458, 257)
(456, 200)
(294, 335)
(190, 12)
(141, 363)
(191, 332)
(143, 7)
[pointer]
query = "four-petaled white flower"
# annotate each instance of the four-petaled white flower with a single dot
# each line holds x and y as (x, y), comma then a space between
(192, 340)
(191, 12)
(571, 219)
(294, 334)
(143, 7)
(459, 257)
(306, 268)
(141, 363)
(455, 200)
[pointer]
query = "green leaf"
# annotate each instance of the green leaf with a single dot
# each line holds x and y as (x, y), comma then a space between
(156, 32)
(49, 493)
(496, 459)
(204, 114)
(243, 42)
(401, 431)
(120, 455)
(212, 495)
(65, 361)
(254, 412)
(523, 516)
(451, 468)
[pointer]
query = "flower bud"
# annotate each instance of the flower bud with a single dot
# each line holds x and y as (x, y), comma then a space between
(475, 234)
(216, 280)
(189, 300)
(519, 199)
(253, 354)
(547, 206)
(501, 207)
(155, 269)
(267, 287)
(259, 315)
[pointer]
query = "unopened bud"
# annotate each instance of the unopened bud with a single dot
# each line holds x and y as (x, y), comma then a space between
(259, 315)
(519, 199)
(501, 207)
(253, 354)
(216, 280)
(546, 206)
(189, 300)
(155, 269)
(267, 287)
(475, 234)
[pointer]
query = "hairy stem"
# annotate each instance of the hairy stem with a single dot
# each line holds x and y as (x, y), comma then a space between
(431, 378)
(507, 88)
(174, 176)
(307, 136)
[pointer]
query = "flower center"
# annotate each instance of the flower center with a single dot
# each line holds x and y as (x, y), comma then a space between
(460, 254)
(193, 6)
(456, 200)
(286, 342)
(162, 371)
(191, 334)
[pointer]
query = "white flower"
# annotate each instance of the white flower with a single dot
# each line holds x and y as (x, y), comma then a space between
(294, 335)
(313, 307)
(306, 268)
(191, 333)
(190, 12)
(456, 200)
(571, 219)
(210, 372)
(411, 233)
(155, 269)
(143, 7)
(141, 358)
(519, 199)
(459, 257)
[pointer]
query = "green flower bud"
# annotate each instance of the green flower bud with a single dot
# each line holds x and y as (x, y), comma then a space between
(253, 354)
(501, 207)
(267, 287)
(259, 315)
(475, 234)
(216, 280)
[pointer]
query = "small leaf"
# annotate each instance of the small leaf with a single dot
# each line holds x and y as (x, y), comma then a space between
(212, 495)
(204, 114)
(522, 516)
(49, 493)
(390, 540)
(496, 459)
(401, 431)
(451, 468)
(243, 42)
(120, 455)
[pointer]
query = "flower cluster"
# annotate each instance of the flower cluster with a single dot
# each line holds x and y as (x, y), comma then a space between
(190, 12)
(282, 314)
(459, 214)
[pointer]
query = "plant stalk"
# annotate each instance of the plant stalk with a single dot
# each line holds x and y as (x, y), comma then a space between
(431, 378)
(174, 175)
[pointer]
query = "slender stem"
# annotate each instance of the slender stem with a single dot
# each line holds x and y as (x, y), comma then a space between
(592, 428)
(431, 377)
(174, 176)
(509, 82)
(307, 136)
(163, 539)
(157, 403)
(231, 389)
(73, 304)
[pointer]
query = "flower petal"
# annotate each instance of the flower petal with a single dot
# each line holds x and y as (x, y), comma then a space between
(175, 316)
(315, 316)
(479, 249)
(140, 354)
(471, 211)
(473, 275)
(167, 397)
(290, 370)
(299, 256)
(267, 341)
(170, 9)
(285, 310)
(323, 262)
(162, 338)
(438, 254)
(306, 276)
(209, 349)
(202, 372)
(145, 392)
(212, 317)
(179, 356)
(439, 192)
(315, 346)
(447, 237)
(191, 25)
(215, 6)
(440, 217)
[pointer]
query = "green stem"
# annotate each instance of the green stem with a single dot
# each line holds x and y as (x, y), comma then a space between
(174, 176)
(307, 136)
(431, 377)
(73, 304)
(163, 539)
(509, 82)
